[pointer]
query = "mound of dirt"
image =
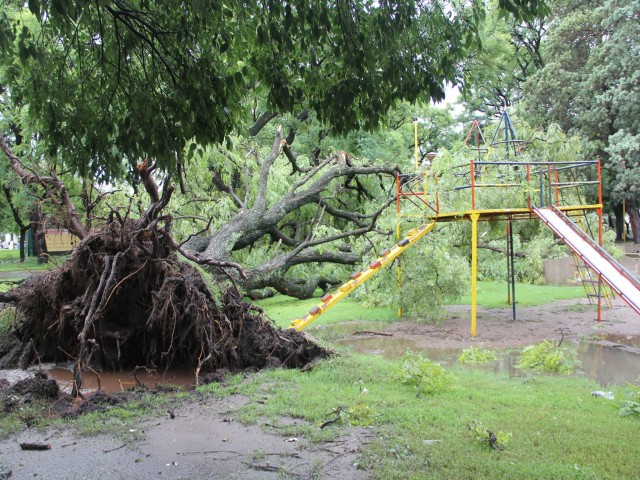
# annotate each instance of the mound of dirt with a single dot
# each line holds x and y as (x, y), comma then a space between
(38, 386)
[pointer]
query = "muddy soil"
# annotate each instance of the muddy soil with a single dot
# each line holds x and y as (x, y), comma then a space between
(571, 319)
(204, 440)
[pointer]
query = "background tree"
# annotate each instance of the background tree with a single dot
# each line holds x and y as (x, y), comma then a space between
(510, 54)
(591, 89)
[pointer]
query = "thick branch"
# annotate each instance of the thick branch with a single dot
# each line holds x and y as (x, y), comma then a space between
(26, 177)
(265, 170)
(263, 120)
(249, 225)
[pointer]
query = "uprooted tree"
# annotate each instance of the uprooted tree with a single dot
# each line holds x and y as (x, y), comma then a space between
(104, 85)
(124, 299)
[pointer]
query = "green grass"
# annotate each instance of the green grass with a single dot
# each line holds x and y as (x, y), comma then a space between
(283, 310)
(558, 430)
(7, 255)
(494, 294)
(117, 420)
(12, 263)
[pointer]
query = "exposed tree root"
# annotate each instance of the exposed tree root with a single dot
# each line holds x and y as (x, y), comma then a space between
(123, 299)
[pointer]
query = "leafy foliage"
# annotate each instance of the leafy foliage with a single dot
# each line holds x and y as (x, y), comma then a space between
(546, 356)
(483, 435)
(427, 376)
(631, 406)
(476, 355)
(360, 415)
(105, 81)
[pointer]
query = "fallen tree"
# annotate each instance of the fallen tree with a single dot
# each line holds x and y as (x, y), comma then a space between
(331, 187)
(124, 299)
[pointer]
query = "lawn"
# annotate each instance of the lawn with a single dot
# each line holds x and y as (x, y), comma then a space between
(555, 428)
(10, 262)
(283, 310)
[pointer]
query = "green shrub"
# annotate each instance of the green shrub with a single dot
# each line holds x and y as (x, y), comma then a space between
(360, 415)
(483, 435)
(427, 376)
(546, 356)
(632, 405)
(476, 355)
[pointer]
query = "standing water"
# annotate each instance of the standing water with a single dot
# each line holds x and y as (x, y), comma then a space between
(607, 359)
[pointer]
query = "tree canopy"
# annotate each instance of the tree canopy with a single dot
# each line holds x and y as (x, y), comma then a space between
(592, 88)
(111, 80)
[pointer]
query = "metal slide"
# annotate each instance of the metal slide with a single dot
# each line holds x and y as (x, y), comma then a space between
(616, 276)
(359, 278)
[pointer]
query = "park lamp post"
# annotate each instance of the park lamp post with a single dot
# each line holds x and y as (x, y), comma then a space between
(426, 164)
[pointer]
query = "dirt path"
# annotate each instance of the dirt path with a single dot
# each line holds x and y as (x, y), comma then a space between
(203, 441)
(495, 328)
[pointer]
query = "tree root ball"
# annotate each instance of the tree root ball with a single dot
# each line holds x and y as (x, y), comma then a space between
(123, 299)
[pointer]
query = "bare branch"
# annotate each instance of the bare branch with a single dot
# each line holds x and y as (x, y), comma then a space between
(59, 192)
(264, 171)
(263, 120)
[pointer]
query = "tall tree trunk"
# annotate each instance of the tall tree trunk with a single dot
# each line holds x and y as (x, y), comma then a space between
(617, 211)
(16, 216)
(634, 219)
(23, 237)
(38, 227)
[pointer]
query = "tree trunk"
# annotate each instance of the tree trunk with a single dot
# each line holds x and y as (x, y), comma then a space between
(619, 226)
(16, 216)
(634, 219)
(38, 227)
(23, 236)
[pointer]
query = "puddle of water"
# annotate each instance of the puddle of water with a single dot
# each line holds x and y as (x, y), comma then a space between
(388, 347)
(337, 330)
(605, 364)
(112, 382)
(609, 365)
(628, 340)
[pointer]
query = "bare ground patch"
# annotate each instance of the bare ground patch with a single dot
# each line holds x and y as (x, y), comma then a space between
(204, 440)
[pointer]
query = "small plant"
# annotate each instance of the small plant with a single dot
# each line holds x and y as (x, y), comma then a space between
(258, 455)
(632, 405)
(546, 356)
(476, 355)
(360, 415)
(483, 435)
(427, 376)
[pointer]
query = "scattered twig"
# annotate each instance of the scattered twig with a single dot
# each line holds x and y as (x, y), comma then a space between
(338, 417)
(369, 332)
(207, 452)
(114, 449)
(35, 446)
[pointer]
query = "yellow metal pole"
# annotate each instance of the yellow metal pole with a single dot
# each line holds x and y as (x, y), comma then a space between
(474, 269)
(415, 139)
(399, 271)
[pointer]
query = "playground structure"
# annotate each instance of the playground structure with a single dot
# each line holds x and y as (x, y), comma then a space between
(542, 185)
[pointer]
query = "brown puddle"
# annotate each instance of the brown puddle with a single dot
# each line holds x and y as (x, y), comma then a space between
(112, 382)
(607, 359)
